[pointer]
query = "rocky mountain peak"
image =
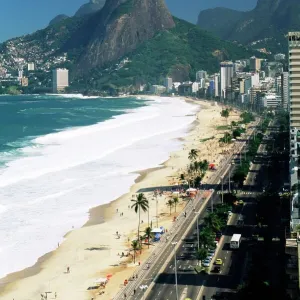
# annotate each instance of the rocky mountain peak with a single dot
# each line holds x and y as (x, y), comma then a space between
(122, 25)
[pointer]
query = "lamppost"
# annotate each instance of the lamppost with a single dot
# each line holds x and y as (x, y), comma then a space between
(144, 288)
(175, 259)
(198, 238)
(222, 190)
(155, 194)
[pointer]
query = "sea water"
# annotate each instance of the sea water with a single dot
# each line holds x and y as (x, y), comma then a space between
(62, 155)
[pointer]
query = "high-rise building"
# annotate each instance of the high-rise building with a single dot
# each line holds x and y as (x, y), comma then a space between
(30, 66)
(254, 79)
(226, 76)
(294, 108)
(285, 90)
(20, 74)
(217, 85)
(60, 80)
(201, 75)
(279, 56)
(168, 84)
(255, 64)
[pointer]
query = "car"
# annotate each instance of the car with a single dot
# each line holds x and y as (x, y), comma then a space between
(206, 263)
(211, 252)
(210, 256)
(241, 202)
(229, 213)
(216, 269)
(218, 261)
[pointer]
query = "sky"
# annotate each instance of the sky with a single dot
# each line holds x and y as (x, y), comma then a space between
(18, 17)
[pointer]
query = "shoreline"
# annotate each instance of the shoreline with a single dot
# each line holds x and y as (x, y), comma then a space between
(103, 215)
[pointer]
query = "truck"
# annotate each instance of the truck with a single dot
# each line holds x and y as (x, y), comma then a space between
(235, 241)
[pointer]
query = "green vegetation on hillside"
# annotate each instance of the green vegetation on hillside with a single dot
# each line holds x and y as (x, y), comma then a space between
(178, 52)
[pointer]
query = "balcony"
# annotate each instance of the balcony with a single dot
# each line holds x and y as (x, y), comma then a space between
(297, 69)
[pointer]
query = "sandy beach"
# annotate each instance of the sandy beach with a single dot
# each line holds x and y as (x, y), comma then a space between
(94, 251)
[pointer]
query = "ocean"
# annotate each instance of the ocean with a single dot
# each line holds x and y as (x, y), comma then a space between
(62, 155)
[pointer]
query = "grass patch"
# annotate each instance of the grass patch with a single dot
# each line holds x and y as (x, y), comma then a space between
(199, 269)
(223, 127)
(207, 139)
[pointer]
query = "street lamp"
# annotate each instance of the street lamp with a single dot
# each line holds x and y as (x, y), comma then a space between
(176, 284)
(155, 194)
(222, 190)
(198, 213)
(144, 288)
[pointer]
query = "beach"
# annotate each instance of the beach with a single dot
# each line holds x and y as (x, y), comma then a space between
(94, 250)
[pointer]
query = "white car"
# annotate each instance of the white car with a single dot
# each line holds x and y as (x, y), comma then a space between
(206, 263)
(210, 256)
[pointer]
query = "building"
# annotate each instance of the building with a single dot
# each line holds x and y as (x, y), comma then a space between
(277, 84)
(217, 85)
(272, 101)
(201, 75)
(168, 83)
(24, 81)
(279, 56)
(211, 88)
(60, 80)
(20, 74)
(294, 105)
(285, 90)
(30, 66)
(187, 89)
(255, 64)
(254, 79)
(226, 76)
(157, 89)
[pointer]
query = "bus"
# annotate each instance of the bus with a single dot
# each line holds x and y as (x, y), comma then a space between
(235, 241)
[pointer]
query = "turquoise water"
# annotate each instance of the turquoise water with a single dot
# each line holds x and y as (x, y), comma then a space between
(23, 118)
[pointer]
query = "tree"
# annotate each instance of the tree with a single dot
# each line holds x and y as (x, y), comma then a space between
(213, 222)
(135, 247)
(170, 204)
(201, 254)
(226, 139)
(206, 237)
(148, 234)
(193, 154)
(140, 202)
(225, 113)
(175, 201)
(229, 198)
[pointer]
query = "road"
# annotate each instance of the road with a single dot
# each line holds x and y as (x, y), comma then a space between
(156, 276)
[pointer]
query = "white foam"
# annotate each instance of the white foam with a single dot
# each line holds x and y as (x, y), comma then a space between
(51, 189)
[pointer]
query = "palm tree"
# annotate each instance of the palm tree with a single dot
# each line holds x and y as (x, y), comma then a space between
(135, 247)
(148, 234)
(175, 201)
(170, 204)
(193, 154)
(140, 202)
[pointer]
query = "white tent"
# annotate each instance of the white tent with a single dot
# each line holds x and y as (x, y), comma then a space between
(191, 190)
(156, 230)
(101, 280)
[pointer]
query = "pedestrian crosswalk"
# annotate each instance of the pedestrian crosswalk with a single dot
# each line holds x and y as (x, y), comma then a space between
(239, 192)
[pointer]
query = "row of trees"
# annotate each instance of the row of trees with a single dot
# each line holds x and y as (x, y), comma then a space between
(213, 223)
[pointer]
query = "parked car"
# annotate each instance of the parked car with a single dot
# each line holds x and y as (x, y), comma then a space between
(210, 256)
(216, 269)
(218, 261)
(206, 263)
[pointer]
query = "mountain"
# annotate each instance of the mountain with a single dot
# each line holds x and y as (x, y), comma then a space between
(264, 26)
(126, 42)
(58, 19)
(90, 7)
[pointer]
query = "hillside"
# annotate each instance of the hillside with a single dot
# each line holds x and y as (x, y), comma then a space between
(91, 7)
(264, 26)
(126, 43)
(58, 19)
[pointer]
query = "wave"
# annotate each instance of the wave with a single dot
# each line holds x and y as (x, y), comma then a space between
(61, 175)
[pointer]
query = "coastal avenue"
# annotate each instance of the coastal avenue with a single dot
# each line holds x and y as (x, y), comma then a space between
(161, 260)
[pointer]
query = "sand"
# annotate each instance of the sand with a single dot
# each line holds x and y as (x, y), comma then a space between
(93, 251)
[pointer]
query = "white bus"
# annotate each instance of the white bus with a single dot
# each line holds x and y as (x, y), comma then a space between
(235, 241)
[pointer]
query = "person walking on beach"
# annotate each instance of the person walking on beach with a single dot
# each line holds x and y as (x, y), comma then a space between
(68, 269)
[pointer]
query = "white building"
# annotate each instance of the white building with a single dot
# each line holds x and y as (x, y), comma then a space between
(157, 89)
(60, 80)
(279, 56)
(20, 74)
(272, 101)
(226, 76)
(285, 90)
(217, 85)
(168, 83)
(30, 66)
(201, 75)
(254, 79)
